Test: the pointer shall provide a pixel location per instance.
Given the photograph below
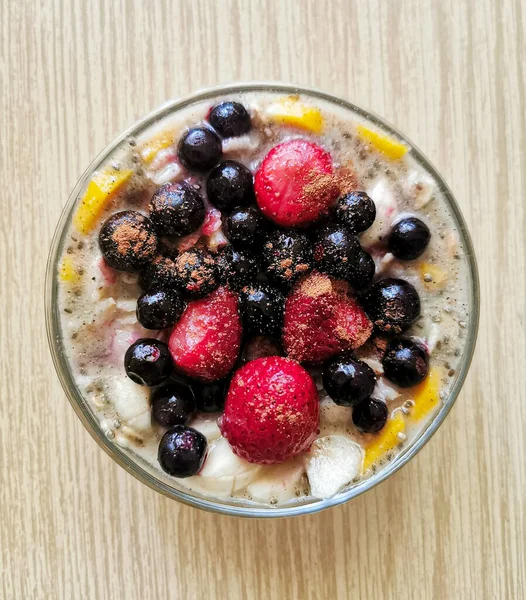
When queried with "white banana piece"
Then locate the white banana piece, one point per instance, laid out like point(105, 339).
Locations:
point(333, 462)
point(131, 401)
point(278, 483)
point(224, 473)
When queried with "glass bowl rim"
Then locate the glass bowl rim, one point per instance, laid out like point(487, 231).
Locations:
point(88, 418)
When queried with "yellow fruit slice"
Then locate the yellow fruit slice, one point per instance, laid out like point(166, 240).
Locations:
point(385, 441)
point(67, 271)
point(384, 144)
point(436, 275)
point(290, 111)
point(101, 189)
point(426, 395)
point(154, 145)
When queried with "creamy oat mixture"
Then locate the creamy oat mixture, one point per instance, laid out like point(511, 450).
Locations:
point(98, 303)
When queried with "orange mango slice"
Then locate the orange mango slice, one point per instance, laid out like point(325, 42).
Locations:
point(384, 144)
point(101, 189)
point(438, 275)
point(67, 271)
point(290, 111)
point(385, 441)
point(426, 395)
point(154, 145)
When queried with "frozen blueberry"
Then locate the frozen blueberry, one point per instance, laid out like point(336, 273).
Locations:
point(336, 251)
point(182, 451)
point(230, 184)
point(362, 274)
point(409, 238)
point(159, 309)
point(210, 397)
point(200, 149)
point(244, 227)
point(392, 304)
point(262, 309)
point(172, 404)
point(370, 415)
point(160, 274)
point(148, 362)
point(236, 269)
point(347, 380)
point(196, 273)
point(128, 240)
point(230, 119)
point(405, 362)
point(285, 256)
point(176, 209)
point(356, 211)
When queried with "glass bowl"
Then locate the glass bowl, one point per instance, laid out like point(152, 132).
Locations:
point(145, 472)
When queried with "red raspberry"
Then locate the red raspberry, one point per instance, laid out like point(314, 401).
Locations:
point(271, 411)
point(322, 319)
point(204, 344)
point(295, 184)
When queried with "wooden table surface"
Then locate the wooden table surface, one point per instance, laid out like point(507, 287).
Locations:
point(449, 73)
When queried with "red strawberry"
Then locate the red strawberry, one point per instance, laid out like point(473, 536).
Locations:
point(295, 184)
point(271, 410)
point(322, 319)
point(204, 344)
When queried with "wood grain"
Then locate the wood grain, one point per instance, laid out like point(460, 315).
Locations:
point(449, 73)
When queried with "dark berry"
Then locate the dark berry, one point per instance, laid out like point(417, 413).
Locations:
point(405, 362)
point(286, 255)
point(230, 119)
point(172, 404)
point(361, 276)
point(176, 209)
point(196, 273)
point(200, 149)
point(392, 304)
point(244, 227)
point(260, 346)
point(210, 397)
point(356, 210)
point(336, 251)
point(148, 362)
point(347, 380)
point(159, 309)
point(409, 238)
point(160, 274)
point(182, 451)
point(262, 309)
point(236, 269)
point(230, 184)
point(128, 240)
point(370, 415)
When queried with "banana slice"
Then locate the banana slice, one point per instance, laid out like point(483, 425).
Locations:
point(278, 483)
point(131, 401)
point(224, 473)
point(333, 461)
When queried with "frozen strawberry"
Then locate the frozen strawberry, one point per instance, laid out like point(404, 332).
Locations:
point(295, 184)
point(322, 319)
point(271, 411)
point(205, 342)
